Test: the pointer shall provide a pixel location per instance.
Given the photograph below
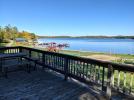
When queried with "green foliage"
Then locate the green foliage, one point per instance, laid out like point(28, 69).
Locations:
point(8, 33)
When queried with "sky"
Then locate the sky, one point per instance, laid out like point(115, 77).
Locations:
point(69, 17)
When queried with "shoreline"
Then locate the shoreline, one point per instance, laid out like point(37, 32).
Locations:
point(89, 51)
point(92, 37)
point(117, 58)
point(83, 51)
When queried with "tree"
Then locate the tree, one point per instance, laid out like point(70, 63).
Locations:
point(1, 34)
point(8, 31)
point(33, 37)
point(14, 32)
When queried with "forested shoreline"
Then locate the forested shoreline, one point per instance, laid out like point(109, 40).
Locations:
point(9, 32)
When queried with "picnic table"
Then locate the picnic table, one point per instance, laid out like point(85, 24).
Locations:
point(3, 57)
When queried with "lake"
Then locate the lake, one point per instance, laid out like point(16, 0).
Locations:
point(115, 46)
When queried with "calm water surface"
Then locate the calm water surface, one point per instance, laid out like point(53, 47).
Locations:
point(118, 46)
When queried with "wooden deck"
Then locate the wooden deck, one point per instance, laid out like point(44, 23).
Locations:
point(42, 85)
point(46, 85)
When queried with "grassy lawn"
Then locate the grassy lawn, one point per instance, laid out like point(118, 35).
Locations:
point(122, 58)
point(3, 44)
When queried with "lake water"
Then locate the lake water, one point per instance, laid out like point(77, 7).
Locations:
point(115, 46)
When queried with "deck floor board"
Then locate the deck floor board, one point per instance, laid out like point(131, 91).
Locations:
point(41, 85)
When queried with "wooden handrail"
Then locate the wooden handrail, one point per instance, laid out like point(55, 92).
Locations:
point(121, 67)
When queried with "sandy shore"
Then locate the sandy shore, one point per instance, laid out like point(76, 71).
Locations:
point(103, 57)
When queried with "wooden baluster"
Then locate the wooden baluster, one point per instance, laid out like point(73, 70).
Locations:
point(43, 57)
point(86, 70)
point(56, 61)
point(48, 60)
point(98, 74)
point(75, 66)
point(113, 78)
point(71, 68)
point(66, 68)
point(83, 70)
point(103, 74)
point(62, 63)
point(69, 64)
point(131, 83)
point(46, 57)
point(51, 59)
point(13, 51)
point(90, 71)
point(20, 49)
point(59, 62)
point(7, 51)
point(50, 56)
point(118, 84)
point(30, 53)
point(109, 81)
point(80, 71)
point(16, 50)
point(94, 74)
point(124, 83)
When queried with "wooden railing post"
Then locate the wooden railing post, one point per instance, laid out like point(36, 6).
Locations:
point(43, 57)
point(43, 60)
point(66, 68)
point(109, 81)
point(20, 49)
point(29, 53)
point(103, 78)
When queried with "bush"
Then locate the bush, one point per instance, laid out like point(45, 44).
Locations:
point(6, 41)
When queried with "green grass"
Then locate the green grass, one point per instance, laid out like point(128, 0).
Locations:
point(124, 58)
point(78, 53)
point(3, 44)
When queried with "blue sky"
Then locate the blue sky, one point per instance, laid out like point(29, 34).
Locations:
point(69, 17)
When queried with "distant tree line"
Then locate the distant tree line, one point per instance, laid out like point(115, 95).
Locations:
point(117, 37)
point(54, 36)
point(9, 32)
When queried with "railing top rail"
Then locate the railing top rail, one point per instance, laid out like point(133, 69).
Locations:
point(13, 47)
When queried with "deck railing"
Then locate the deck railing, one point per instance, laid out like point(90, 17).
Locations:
point(106, 75)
